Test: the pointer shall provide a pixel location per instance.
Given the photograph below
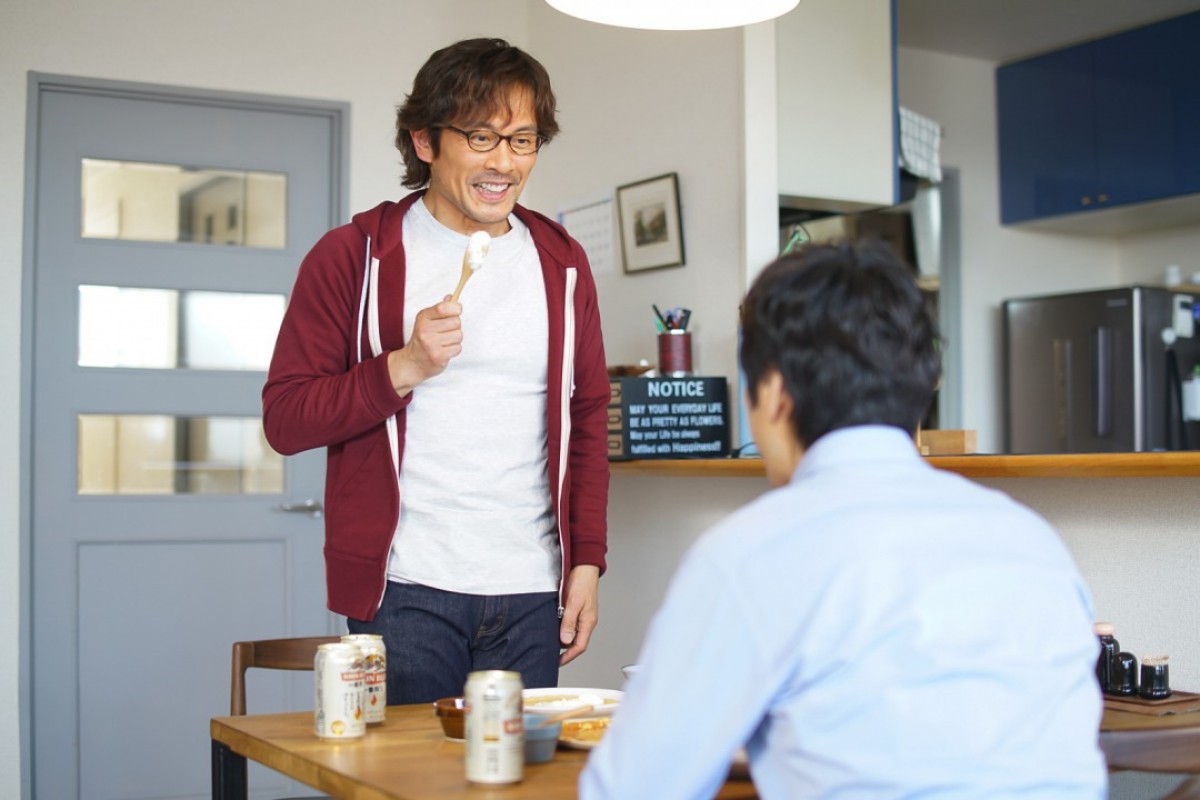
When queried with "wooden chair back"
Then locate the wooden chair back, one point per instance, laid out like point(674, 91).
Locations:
point(290, 654)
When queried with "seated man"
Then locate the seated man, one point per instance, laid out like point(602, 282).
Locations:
point(871, 627)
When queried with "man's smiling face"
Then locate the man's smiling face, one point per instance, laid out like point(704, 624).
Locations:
point(471, 191)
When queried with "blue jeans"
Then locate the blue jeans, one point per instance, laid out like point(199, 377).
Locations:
point(434, 638)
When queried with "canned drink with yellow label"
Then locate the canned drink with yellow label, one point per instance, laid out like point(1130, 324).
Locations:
point(374, 674)
point(495, 731)
point(338, 688)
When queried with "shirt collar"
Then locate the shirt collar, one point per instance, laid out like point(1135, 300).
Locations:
point(861, 445)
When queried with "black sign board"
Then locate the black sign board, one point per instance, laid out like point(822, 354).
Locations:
point(668, 418)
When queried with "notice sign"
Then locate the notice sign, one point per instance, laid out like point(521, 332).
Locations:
point(668, 418)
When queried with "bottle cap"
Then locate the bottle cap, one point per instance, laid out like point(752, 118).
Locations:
point(1105, 629)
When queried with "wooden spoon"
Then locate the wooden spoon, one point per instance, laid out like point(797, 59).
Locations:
point(570, 713)
point(477, 248)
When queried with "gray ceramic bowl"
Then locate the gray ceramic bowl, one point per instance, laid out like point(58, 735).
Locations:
point(540, 742)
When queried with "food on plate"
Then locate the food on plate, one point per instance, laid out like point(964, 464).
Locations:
point(584, 731)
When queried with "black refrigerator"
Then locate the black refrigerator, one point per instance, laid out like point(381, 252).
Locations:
point(1101, 371)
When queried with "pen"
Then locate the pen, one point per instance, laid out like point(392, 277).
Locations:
point(662, 322)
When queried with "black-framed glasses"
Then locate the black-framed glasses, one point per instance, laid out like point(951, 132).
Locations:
point(525, 143)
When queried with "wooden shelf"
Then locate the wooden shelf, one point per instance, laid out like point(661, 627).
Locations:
point(1076, 465)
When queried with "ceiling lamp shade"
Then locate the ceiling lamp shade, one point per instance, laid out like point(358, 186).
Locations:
point(675, 15)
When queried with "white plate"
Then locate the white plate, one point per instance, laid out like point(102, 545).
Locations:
point(556, 699)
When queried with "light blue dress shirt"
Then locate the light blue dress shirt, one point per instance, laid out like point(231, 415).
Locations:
point(875, 629)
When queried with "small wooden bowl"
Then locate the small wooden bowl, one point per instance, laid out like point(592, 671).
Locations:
point(450, 712)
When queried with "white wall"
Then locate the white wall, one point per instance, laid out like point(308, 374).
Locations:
point(1137, 543)
point(652, 522)
point(633, 105)
point(1144, 256)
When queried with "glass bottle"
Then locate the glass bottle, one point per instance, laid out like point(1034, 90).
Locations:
point(1108, 651)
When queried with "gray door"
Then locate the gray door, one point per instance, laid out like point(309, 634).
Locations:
point(169, 227)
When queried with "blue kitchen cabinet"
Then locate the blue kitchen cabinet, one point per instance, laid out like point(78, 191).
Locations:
point(1107, 123)
point(1046, 132)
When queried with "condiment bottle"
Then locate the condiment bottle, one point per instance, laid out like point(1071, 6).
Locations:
point(1122, 676)
point(1155, 681)
point(1108, 650)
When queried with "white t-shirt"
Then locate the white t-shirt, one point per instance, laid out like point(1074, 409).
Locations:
point(475, 509)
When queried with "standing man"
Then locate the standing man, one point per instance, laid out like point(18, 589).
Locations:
point(467, 480)
point(872, 627)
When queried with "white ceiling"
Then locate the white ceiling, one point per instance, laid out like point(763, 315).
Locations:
point(1004, 30)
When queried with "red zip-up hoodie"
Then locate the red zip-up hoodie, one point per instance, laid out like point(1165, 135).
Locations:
point(328, 386)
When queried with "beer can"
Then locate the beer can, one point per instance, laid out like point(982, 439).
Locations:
point(374, 674)
point(494, 723)
point(338, 687)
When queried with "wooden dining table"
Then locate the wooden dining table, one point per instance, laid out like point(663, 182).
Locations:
point(1148, 743)
point(406, 757)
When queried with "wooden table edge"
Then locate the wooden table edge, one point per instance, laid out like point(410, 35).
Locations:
point(264, 752)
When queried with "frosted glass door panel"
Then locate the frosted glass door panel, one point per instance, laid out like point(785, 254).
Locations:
point(157, 454)
point(121, 326)
point(172, 203)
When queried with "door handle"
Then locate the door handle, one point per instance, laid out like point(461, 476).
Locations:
point(310, 507)
point(1102, 390)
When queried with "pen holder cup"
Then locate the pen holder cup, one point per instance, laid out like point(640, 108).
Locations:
point(675, 354)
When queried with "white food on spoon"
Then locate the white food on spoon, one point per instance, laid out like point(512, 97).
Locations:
point(588, 699)
point(477, 248)
point(476, 252)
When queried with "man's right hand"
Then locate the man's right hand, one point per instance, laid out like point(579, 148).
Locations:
point(436, 338)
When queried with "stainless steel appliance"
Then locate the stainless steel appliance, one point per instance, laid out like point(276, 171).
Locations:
point(1100, 371)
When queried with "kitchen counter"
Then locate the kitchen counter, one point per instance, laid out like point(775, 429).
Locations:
point(1075, 465)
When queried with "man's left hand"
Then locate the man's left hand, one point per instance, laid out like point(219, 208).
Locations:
point(581, 613)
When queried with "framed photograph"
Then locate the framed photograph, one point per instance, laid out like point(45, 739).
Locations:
point(651, 231)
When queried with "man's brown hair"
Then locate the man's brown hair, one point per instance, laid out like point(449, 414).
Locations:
point(467, 84)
